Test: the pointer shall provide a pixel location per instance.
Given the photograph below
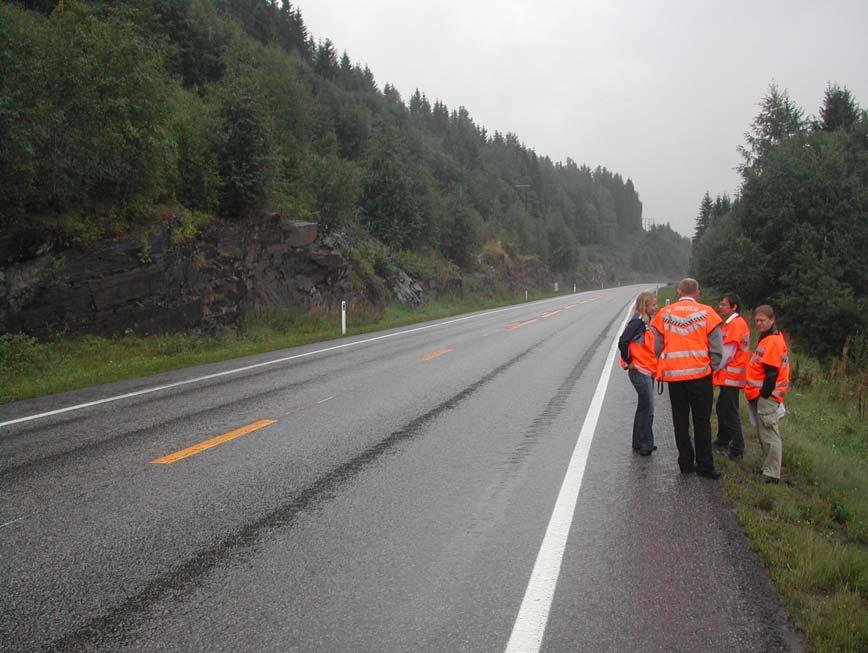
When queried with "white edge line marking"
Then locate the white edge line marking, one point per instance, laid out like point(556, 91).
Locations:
point(530, 624)
point(138, 393)
point(322, 401)
point(13, 521)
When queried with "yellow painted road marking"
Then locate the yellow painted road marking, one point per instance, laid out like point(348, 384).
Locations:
point(570, 306)
point(434, 354)
point(550, 313)
point(213, 442)
point(517, 325)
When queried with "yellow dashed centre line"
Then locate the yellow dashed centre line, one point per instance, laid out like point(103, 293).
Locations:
point(213, 442)
point(517, 325)
point(550, 313)
point(434, 354)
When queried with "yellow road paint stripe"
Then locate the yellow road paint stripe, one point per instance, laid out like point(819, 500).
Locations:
point(517, 325)
point(434, 354)
point(550, 313)
point(570, 306)
point(213, 442)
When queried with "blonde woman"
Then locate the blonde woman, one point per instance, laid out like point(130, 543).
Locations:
point(636, 345)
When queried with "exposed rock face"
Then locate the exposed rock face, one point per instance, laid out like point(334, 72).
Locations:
point(298, 233)
point(148, 284)
point(516, 273)
point(405, 289)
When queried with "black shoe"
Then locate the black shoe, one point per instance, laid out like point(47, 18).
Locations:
point(771, 479)
point(721, 447)
point(687, 469)
point(644, 452)
point(713, 474)
point(735, 455)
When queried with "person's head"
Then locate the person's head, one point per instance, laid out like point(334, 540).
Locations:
point(763, 317)
point(729, 304)
point(646, 305)
point(688, 288)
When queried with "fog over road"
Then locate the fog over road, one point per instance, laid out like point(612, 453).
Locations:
point(374, 494)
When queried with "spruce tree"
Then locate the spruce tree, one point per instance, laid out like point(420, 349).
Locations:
point(704, 217)
point(778, 119)
point(839, 110)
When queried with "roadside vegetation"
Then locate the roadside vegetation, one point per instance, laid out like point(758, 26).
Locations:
point(795, 237)
point(32, 368)
point(812, 529)
point(796, 234)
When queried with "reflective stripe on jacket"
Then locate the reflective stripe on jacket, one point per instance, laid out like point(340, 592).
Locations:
point(770, 350)
point(685, 327)
point(736, 334)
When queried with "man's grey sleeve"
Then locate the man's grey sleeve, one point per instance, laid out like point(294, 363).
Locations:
point(728, 353)
point(658, 342)
point(715, 348)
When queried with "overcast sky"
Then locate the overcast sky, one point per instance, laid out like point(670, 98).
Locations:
point(661, 92)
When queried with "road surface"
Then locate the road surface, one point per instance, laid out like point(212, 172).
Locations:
point(388, 492)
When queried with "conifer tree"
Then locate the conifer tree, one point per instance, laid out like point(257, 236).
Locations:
point(326, 63)
point(839, 110)
point(704, 217)
point(778, 119)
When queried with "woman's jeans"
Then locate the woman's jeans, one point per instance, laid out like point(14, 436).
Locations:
point(643, 436)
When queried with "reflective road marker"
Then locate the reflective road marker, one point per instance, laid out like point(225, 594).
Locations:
point(517, 325)
point(213, 442)
point(433, 355)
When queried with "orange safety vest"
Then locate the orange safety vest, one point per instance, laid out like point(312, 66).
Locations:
point(770, 350)
point(734, 331)
point(642, 354)
point(685, 326)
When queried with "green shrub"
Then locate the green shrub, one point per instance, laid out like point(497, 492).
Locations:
point(18, 353)
point(189, 226)
point(418, 266)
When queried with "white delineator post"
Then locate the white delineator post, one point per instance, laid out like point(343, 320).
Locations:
point(343, 318)
point(525, 294)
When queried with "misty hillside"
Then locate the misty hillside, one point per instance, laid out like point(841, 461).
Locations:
point(112, 111)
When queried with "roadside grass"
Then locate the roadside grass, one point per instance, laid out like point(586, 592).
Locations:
point(812, 529)
point(29, 368)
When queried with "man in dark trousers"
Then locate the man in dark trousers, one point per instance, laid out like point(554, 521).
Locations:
point(730, 377)
point(689, 349)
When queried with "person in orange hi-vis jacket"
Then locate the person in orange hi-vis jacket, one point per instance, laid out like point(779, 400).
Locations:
point(730, 377)
point(768, 380)
point(636, 345)
point(689, 348)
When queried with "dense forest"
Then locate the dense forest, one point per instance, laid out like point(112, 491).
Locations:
point(796, 235)
point(231, 109)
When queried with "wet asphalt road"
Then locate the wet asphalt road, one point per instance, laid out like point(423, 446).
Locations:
point(396, 503)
